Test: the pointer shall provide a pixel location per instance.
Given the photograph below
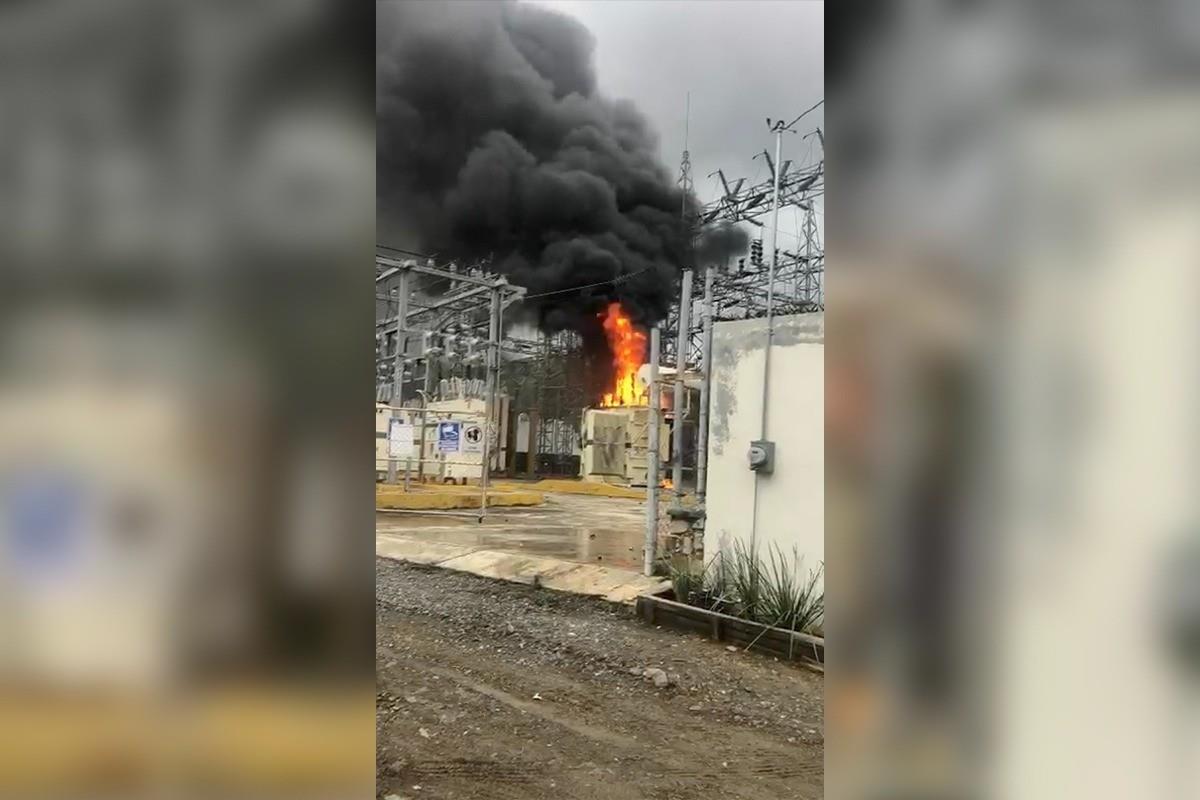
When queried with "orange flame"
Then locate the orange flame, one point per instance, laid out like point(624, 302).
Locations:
point(628, 346)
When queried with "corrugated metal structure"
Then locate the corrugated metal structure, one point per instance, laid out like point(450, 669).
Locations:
point(616, 443)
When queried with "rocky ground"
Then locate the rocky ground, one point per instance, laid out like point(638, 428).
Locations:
point(495, 690)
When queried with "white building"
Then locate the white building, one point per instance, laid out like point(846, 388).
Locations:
point(790, 501)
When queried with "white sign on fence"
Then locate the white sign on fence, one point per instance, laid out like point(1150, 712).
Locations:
point(472, 437)
point(400, 438)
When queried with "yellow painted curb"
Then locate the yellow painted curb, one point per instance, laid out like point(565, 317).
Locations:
point(563, 486)
point(428, 499)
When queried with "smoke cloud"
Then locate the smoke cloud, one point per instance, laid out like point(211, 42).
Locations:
point(721, 243)
point(494, 143)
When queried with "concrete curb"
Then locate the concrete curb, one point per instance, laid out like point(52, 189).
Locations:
point(614, 585)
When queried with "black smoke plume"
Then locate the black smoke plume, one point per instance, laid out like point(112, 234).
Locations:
point(494, 143)
point(721, 243)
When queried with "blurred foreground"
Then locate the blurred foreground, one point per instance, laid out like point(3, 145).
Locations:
point(188, 197)
point(1013, 543)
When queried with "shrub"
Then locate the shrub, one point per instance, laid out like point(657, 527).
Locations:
point(770, 592)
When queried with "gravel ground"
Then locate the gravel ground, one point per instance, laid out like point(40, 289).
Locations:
point(496, 690)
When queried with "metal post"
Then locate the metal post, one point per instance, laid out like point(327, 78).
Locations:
point(779, 128)
point(401, 337)
point(535, 421)
point(425, 394)
point(652, 458)
point(681, 354)
point(809, 232)
point(706, 380)
point(398, 364)
point(493, 353)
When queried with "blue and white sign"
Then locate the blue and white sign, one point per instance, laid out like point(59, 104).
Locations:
point(449, 435)
point(42, 527)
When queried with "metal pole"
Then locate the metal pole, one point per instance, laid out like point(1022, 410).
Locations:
point(706, 380)
point(500, 411)
point(808, 246)
point(681, 354)
point(779, 127)
point(425, 395)
point(652, 458)
point(493, 353)
point(398, 364)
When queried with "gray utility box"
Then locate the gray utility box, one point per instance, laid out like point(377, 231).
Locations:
point(762, 456)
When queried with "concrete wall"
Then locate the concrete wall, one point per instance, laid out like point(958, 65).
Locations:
point(791, 502)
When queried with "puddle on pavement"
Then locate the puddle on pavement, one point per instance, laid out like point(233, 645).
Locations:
point(618, 546)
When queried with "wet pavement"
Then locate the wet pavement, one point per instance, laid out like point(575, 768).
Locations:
point(605, 531)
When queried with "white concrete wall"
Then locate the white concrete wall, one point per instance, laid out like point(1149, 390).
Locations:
point(791, 502)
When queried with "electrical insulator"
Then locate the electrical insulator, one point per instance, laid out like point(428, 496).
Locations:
point(756, 252)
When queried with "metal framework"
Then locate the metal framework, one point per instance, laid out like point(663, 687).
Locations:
point(433, 323)
point(740, 288)
point(547, 378)
point(438, 322)
point(743, 290)
point(450, 314)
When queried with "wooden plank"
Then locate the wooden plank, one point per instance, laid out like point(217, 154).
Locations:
point(777, 641)
point(701, 627)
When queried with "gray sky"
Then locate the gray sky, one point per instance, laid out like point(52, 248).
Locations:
point(742, 60)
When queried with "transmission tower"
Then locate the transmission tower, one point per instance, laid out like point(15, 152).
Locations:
point(685, 164)
point(689, 219)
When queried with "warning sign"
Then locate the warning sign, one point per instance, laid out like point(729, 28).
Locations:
point(449, 434)
point(472, 438)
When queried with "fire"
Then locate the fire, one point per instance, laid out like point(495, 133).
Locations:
point(628, 346)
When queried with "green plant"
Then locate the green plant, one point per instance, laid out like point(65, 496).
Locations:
point(719, 583)
point(695, 583)
point(746, 579)
point(770, 591)
point(787, 600)
point(686, 581)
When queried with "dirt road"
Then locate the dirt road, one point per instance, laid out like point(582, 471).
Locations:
point(494, 690)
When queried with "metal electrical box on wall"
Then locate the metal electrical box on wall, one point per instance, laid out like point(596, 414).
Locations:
point(762, 456)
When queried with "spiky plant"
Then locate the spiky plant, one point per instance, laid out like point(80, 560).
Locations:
point(746, 579)
point(719, 583)
point(698, 584)
point(687, 581)
point(788, 601)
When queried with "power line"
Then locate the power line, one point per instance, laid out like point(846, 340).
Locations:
point(612, 281)
point(413, 253)
point(803, 114)
point(618, 279)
